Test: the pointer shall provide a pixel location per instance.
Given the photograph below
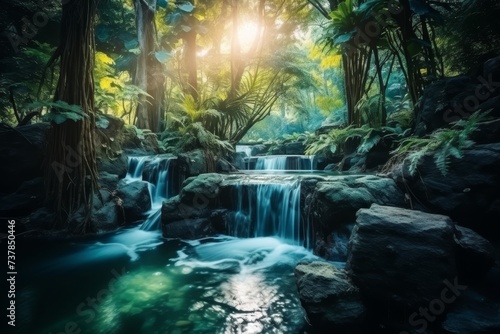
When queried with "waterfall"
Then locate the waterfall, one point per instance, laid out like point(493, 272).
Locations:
point(154, 171)
point(271, 163)
point(286, 162)
point(247, 149)
point(269, 210)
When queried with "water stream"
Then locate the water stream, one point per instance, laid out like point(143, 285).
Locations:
point(136, 281)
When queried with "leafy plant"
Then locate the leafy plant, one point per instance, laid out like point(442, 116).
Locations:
point(442, 144)
point(60, 111)
point(335, 141)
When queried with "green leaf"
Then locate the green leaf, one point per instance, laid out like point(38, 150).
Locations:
point(102, 122)
point(61, 117)
point(173, 18)
point(188, 8)
point(162, 56)
point(162, 3)
point(102, 33)
point(131, 44)
point(344, 38)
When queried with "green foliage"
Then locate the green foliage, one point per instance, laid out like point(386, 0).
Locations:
point(20, 77)
point(114, 92)
point(60, 111)
point(442, 144)
point(471, 35)
point(336, 139)
point(195, 136)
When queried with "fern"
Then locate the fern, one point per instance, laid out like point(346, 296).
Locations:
point(335, 140)
point(442, 144)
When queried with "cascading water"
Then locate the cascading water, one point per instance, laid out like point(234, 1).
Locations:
point(221, 284)
point(155, 171)
point(270, 210)
point(271, 163)
point(285, 162)
point(247, 149)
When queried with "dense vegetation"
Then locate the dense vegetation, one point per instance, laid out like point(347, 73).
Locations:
point(209, 74)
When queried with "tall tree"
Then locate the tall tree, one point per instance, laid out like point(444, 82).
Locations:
point(149, 73)
point(70, 168)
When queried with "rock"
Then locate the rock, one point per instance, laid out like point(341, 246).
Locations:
point(469, 193)
point(491, 68)
point(492, 106)
point(354, 163)
point(338, 200)
point(295, 148)
point(108, 181)
point(450, 99)
point(192, 163)
point(189, 229)
point(473, 314)
point(29, 197)
point(136, 199)
point(442, 102)
point(202, 190)
point(107, 218)
point(173, 210)
point(259, 150)
point(194, 211)
point(328, 295)
point(487, 132)
point(331, 168)
point(387, 243)
point(117, 165)
point(21, 150)
point(238, 160)
point(43, 219)
point(223, 166)
point(277, 150)
point(475, 255)
point(334, 248)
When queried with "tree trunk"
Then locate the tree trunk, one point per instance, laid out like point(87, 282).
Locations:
point(149, 72)
point(70, 165)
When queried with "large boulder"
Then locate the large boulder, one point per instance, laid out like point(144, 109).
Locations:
point(337, 200)
point(117, 165)
point(451, 99)
point(108, 214)
point(402, 256)
point(192, 163)
point(295, 148)
point(192, 213)
point(29, 197)
point(21, 150)
point(136, 199)
point(108, 181)
point(201, 189)
point(195, 228)
point(469, 193)
point(475, 255)
point(473, 313)
point(328, 295)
